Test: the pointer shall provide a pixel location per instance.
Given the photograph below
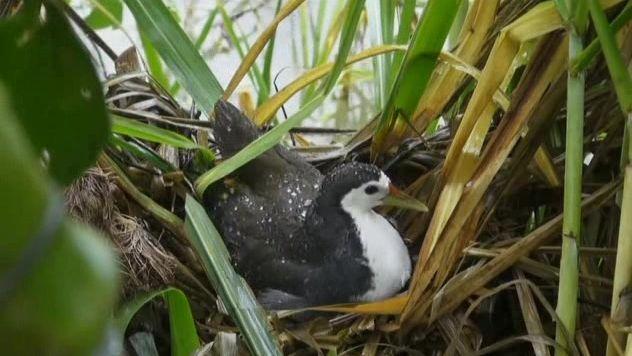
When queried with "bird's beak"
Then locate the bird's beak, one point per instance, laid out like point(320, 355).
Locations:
point(400, 199)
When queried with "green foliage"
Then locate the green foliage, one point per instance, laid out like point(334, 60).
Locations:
point(274, 136)
point(617, 67)
point(156, 22)
point(418, 64)
point(184, 338)
point(58, 279)
point(124, 126)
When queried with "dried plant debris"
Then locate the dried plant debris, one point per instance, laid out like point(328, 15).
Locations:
point(96, 200)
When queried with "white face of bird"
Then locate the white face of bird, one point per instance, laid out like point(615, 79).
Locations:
point(379, 192)
point(368, 195)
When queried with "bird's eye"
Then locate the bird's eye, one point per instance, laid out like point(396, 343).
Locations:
point(372, 189)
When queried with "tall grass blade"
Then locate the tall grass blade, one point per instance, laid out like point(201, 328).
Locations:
point(418, 64)
point(381, 21)
point(266, 111)
point(153, 62)
point(175, 48)
point(618, 69)
point(199, 41)
point(124, 126)
point(275, 135)
point(267, 63)
point(584, 59)
point(232, 289)
point(347, 37)
point(184, 338)
point(248, 60)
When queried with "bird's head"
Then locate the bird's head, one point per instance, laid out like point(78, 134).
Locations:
point(361, 186)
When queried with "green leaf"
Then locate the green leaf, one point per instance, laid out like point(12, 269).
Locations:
point(50, 78)
point(153, 62)
point(124, 126)
point(582, 61)
point(174, 46)
point(418, 64)
point(232, 289)
point(142, 153)
point(206, 29)
point(98, 19)
point(58, 279)
point(184, 338)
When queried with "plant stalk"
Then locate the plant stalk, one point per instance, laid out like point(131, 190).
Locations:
point(569, 263)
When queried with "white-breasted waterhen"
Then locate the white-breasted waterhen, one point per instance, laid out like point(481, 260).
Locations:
point(301, 238)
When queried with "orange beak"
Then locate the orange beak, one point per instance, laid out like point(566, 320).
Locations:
point(400, 199)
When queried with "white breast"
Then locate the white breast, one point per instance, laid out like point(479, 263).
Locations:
point(386, 253)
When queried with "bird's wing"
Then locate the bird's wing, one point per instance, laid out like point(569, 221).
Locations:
point(277, 174)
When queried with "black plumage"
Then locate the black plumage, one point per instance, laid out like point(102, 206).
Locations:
point(283, 223)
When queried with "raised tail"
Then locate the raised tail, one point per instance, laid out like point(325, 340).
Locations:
point(232, 129)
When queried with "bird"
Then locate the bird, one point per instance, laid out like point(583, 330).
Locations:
point(301, 238)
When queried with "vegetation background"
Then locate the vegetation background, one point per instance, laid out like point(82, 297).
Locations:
point(510, 118)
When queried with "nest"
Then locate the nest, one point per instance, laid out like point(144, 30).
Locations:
point(94, 199)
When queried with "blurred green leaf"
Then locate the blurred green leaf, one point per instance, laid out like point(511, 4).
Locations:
point(58, 279)
point(184, 338)
point(175, 48)
point(52, 82)
point(232, 289)
point(97, 19)
point(418, 64)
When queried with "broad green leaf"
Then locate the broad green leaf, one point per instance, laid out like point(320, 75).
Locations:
point(175, 48)
point(98, 18)
point(50, 78)
point(58, 279)
point(184, 338)
point(231, 288)
point(128, 127)
point(418, 64)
